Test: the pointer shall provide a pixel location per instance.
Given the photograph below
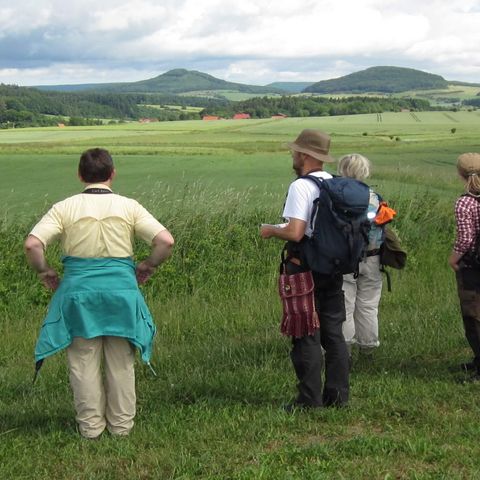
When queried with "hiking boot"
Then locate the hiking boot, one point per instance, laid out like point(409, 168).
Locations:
point(468, 366)
point(475, 378)
point(296, 406)
point(366, 352)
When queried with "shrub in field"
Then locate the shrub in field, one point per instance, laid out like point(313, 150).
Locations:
point(215, 255)
point(19, 287)
point(219, 254)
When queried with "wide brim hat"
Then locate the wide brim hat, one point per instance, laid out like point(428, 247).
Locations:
point(314, 143)
point(469, 162)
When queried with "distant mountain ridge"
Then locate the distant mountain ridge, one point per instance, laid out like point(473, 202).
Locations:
point(381, 80)
point(291, 87)
point(174, 81)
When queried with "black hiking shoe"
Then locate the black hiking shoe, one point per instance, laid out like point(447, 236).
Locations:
point(475, 378)
point(296, 406)
point(468, 366)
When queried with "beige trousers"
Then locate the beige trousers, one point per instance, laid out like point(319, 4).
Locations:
point(362, 296)
point(100, 404)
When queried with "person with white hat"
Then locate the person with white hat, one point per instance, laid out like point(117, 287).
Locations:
point(464, 258)
point(363, 289)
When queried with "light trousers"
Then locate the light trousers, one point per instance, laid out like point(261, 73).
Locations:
point(362, 296)
point(103, 403)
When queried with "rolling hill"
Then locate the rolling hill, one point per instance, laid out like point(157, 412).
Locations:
point(374, 80)
point(380, 80)
point(172, 82)
point(290, 87)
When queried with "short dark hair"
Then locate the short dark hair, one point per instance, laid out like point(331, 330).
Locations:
point(96, 165)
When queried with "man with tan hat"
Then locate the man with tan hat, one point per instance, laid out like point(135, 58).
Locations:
point(465, 259)
point(309, 153)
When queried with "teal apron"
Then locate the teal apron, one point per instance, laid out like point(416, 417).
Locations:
point(96, 297)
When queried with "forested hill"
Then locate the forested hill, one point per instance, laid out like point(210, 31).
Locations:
point(381, 80)
point(290, 87)
point(172, 82)
point(316, 106)
point(23, 106)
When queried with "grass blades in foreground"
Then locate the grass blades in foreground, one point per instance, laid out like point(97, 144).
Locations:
point(214, 411)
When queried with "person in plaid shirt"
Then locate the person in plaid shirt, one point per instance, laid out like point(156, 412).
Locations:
point(462, 261)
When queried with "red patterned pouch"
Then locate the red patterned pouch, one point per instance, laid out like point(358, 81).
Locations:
point(299, 315)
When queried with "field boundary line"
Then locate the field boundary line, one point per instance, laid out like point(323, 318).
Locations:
point(450, 117)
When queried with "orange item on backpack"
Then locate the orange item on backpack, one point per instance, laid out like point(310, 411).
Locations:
point(385, 214)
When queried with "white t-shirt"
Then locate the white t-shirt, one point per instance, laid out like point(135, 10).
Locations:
point(301, 194)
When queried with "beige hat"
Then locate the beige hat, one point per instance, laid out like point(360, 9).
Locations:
point(314, 143)
point(469, 163)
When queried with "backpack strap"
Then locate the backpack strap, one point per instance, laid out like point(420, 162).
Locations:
point(387, 274)
point(318, 182)
point(349, 230)
point(292, 250)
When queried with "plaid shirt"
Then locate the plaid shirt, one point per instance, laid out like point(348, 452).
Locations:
point(467, 216)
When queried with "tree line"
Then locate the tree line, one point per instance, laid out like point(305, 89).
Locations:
point(26, 107)
point(311, 106)
point(29, 107)
point(474, 102)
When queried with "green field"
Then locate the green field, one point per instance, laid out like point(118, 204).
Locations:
point(452, 94)
point(214, 411)
point(232, 95)
point(188, 109)
point(447, 97)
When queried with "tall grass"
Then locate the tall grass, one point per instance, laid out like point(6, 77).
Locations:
point(214, 410)
point(223, 369)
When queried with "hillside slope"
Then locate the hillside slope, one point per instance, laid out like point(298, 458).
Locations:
point(290, 87)
point(172, 82)
point(380, 79)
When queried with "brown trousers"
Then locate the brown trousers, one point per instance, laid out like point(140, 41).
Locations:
point(468, 284)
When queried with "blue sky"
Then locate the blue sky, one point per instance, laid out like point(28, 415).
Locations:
point(248, 41)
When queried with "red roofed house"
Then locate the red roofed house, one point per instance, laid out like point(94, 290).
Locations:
point(148, 120)
point(241, 116)
point(210, 117)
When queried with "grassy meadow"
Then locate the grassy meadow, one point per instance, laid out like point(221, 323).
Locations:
point(214, 410)
point(452, 94)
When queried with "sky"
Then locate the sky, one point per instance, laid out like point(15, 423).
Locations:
point(51, 42)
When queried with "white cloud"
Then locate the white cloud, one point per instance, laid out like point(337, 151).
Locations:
point(263, 40)
point(137, 15)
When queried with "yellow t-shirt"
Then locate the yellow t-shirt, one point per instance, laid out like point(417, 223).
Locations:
point(97, 225)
